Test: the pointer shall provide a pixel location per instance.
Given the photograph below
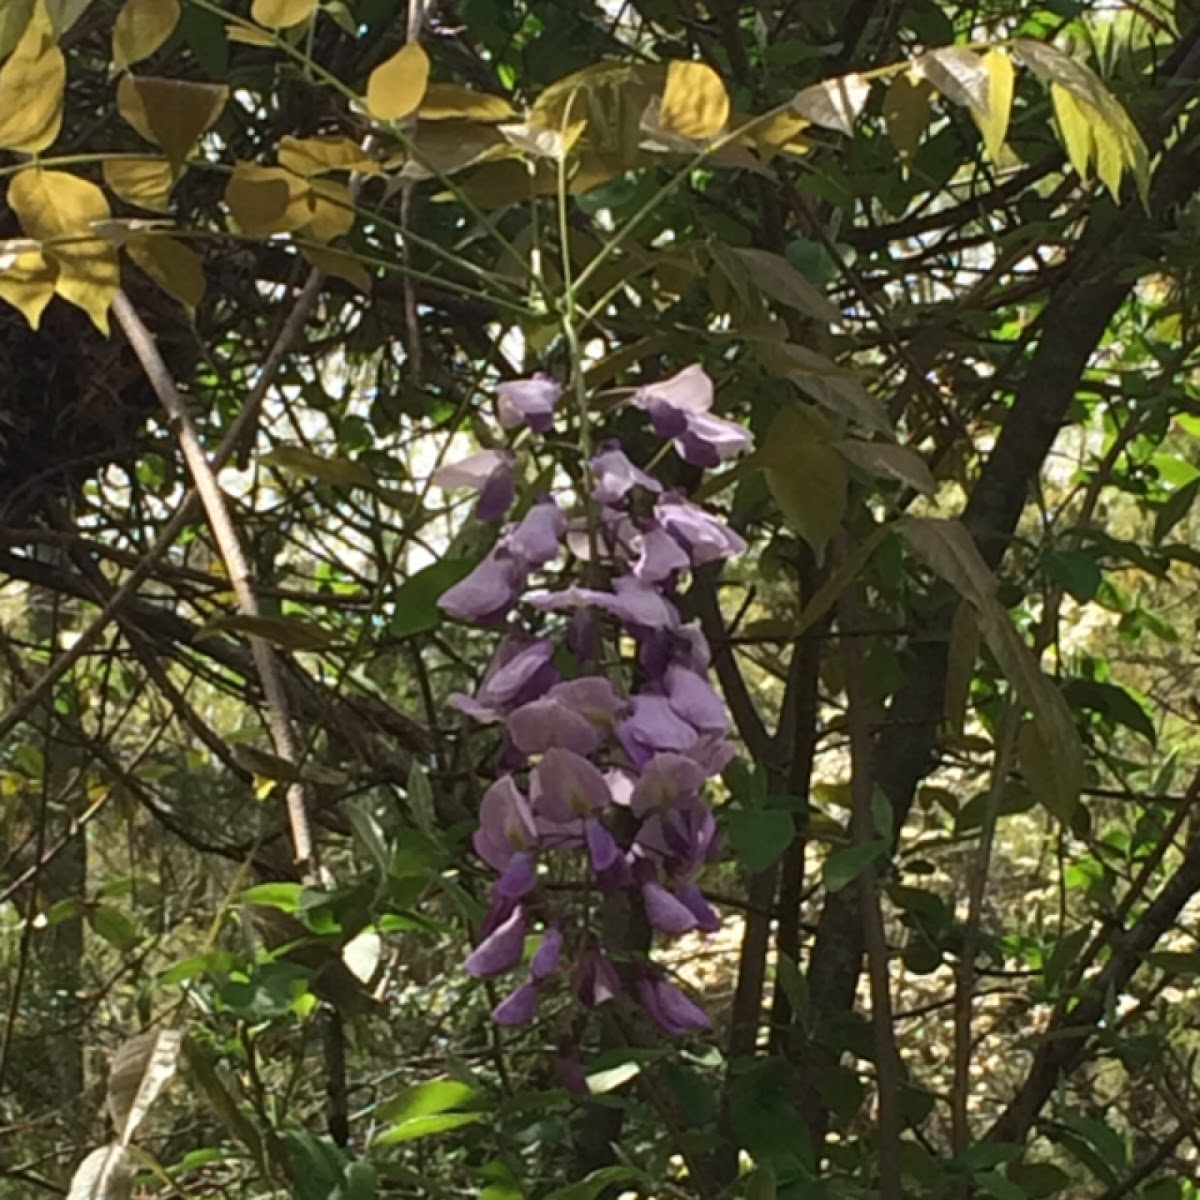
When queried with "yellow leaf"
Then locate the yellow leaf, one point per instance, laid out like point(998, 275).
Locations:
point(339, 263)
point(59, 210)
point(145, 182)
point(906, 112)
point(778, 134)
point(176, 268)
point(1054, 775)
point(993, 124)
point(1075, 119)
point(332, 210)
point(319, 155)
point(452, 101)
point(32, 83)
point(171, 113)
point(1110, 157)
point(694, 101)
point(281, 14)
point(141, 28)
point(266, 200)
point(396, 87)
point(26, 279)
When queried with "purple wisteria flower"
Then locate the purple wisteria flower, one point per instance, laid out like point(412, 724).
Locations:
point(490, 473)
point(521, 670)
point(601, 783)
point(679, 409)
point(529, 402)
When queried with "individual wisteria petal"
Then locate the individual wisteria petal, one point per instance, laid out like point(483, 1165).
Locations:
point(545, 958)
point(581, 636)
point(689, 391)
point(593, 697)
point(701, 536)
point(529, 402)
point(497, 495)
point(633, 601)
point(664, 781)
point(603, 851)
point(714, 752)
point(538, 537)
point(693, 698)
point(615, 476)
point(652, 727)
point(566, 787)
point(690, 894)
point(489, 472)
point(548, 723)
point(665, 912)
point(708, 441)
point(501, 950)
point(682, 839)
point(506, 825)
point(659, 556)
point(518, 879)
point(521, 670)
point(489, 592)
point(474, 470)
point(670, 1008)
point(685, 645)
point(596, 980)
point(518, 1007)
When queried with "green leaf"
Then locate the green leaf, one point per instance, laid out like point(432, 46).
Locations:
point(291, 633)
point(761, 1184)
point(906, 113)
point(1076, 570)
point(596, 1183)
point(284, 896)
point(419, 1127)
point(1113, 702)
point(414, 604)
point(775, 275)
point(807, 477)
point(427, 1099)
point(1051, 747)
point(113, 926)
point(1038, 1180)
point(901, 463)
point(328, 468)
point(846, 865)
point(759, 836)
point(1176, 507)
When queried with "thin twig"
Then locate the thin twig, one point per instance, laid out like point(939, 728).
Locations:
point(216, 509)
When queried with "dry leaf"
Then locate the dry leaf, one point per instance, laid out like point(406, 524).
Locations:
point(171, 113)
point(396, 87)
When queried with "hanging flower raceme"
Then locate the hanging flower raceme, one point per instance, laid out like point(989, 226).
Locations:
point(603, 784)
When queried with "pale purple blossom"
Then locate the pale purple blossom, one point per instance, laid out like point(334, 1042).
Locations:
point(489, 472)
point(698, 533)
point(518, 1007)
point(506, 826)
point(501, 949)
point(615, 476)
point(537, 539)
point(489, 592)
point(529, 402)
point(669, 1008)
point(521, 670)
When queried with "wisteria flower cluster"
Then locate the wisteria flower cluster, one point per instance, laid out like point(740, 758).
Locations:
point(609, 776)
